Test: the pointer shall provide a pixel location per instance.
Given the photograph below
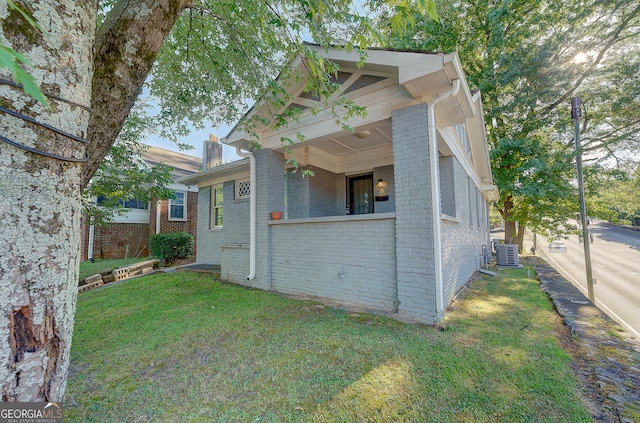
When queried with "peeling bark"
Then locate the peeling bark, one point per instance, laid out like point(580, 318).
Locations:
point(41, 205)
point(126, 47)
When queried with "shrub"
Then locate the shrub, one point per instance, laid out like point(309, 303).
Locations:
point(170, 246)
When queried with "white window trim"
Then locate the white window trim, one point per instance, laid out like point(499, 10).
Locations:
point(213, 207)
point(184, 207)
point(237, 189)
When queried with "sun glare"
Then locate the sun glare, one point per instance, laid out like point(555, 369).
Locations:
point(580, 58)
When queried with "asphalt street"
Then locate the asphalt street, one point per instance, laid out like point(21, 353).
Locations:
point(615, 261)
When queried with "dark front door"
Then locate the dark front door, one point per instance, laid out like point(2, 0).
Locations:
point(361, 194)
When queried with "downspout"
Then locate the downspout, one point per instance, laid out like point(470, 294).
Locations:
point(91, 238)
point(158, 205)
point(435, 195)
point(252, 212)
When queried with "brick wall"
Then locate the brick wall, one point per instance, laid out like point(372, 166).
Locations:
point(349, 260)
point(84, 238)
point(461, 241)
point(235, 225)
point(208, 241)
point(235, 263)
point(120, 240)
point(297, 195)
point(188, 225)
point(269, 198)
point(448, 186)
point(313, 196)
point(111, 242)
point(415, 244)
point(388, 189)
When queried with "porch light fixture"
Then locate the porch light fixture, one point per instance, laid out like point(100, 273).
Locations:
point(380, 195)
point(363, 134)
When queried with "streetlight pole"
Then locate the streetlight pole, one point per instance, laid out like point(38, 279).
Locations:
point(576, 114)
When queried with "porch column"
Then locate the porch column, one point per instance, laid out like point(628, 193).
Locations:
point(269, 197)
point(415, 241)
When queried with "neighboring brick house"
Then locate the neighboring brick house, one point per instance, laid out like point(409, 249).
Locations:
point(396, 217)
point(128, 235)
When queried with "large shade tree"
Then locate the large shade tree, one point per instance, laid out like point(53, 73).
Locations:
point(522, 55)
point(205, 58)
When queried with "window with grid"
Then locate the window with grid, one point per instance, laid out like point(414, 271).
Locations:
point(128, 204)
point(243, 189)
point(178, 206)
point(217, 200)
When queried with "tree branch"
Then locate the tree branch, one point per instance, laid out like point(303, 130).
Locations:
point(126, 47)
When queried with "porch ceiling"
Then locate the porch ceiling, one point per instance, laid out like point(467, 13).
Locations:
point(364, 139)
point(369, 146)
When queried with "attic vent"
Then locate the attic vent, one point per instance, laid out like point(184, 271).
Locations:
point(507, 255)
point(340, 78)
point(309, 96)
point(300, 107)
point(243, 189)
point(364, 81)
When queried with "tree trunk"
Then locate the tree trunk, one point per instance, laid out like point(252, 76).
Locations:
point(509, 226)
point(40, 208)
point(522, 228)
point(126, 47)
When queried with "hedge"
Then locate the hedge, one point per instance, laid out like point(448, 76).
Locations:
point(170, 246)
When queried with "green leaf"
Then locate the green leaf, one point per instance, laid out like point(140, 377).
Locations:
point(11, 59)
point(25, 15)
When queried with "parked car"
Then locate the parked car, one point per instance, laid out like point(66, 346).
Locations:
point(557, 246)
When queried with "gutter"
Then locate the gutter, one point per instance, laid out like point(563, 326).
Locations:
point(435, 196)
point(252, 212)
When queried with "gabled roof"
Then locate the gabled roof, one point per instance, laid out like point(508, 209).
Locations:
point(388, 80)
point(422, 76)
point(182, 164)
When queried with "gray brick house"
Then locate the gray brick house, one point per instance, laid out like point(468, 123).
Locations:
point(396, 216)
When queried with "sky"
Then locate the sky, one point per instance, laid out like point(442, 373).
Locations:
point(196, 139)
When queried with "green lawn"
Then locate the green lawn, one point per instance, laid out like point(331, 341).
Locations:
point(184, 347)
point(88, 269)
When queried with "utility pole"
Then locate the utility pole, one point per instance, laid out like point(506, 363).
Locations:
point(576, 114)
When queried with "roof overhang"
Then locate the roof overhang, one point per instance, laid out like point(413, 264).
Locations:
point(217, 174)
point(423, 76)
point(404, 78)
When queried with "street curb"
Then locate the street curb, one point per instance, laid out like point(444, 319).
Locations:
point(611, 353)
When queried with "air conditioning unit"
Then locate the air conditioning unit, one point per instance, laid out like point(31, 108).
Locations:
point(507, 255)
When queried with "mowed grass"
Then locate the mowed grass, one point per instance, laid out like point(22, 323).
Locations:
point(184, 347)
point(89, 269)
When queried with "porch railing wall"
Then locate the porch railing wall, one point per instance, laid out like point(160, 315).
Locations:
point(348, 259)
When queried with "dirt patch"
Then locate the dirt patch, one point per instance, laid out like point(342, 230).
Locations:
point(183, 261)
point(604, 363)
point(589, 391)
